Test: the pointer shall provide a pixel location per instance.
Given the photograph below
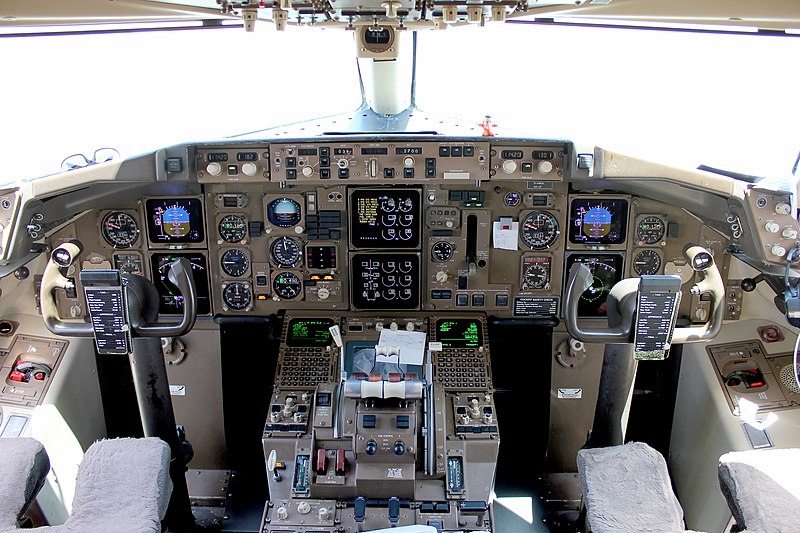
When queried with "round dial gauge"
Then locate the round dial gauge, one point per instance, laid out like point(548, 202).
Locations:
point(442, 251)
point(647, 262)
point(286, 285)
point(650, 230)
point(285, 252)
point(119, 229)
point(539, 230)
point(235, 262)
point(129, 263)
point(233, 228)
point(237, 296)
point(535, 273)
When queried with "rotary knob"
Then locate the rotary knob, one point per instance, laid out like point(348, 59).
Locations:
point(772, 227)
point(324, 514)
point(778, 250)
point(215, 169)
point(789, 233)
point(249, 169)
point(544, 167)
point(441, 276)
point(371, 447)
point(408, 162)
point(783, 208)
point(509, 166)
point(393, 326)
point(304, 507)
point(323, 293)
point(308, 171)
point(282, 513)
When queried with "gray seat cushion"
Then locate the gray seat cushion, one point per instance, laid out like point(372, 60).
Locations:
point(123, 486)
point(24, 465)
point(627, 489)
point(763, 489)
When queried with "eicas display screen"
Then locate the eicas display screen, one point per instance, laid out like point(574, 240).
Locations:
point(606, 272)
point(385, 218)
point(598, 220)
point(459, 333)
point(309, 332)
point(385, 280)
point(174, 220)
point(170, 298)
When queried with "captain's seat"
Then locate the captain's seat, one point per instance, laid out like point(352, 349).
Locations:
point(123, 485)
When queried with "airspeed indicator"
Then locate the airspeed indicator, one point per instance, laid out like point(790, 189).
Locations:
point(539, 230)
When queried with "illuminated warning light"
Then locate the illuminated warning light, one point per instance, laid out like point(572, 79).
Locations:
point(261, 297)
point(328, 277)
point(315, 277)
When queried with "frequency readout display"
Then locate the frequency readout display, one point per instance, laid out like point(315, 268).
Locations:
point(174, 220)
point(459, 333)
point(309, 332)
point(598, 221)
point(385, 218)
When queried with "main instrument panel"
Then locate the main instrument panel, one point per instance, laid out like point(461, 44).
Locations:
point(398, 224)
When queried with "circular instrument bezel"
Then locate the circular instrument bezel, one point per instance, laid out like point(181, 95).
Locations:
point(238, 272)
point(126, 242)
point(290, 260)
point(529, 224)
point(641, 232)
point(442, 251)
point(287, 289)
point(230, 236)
point(237, 306)
point(648, 272)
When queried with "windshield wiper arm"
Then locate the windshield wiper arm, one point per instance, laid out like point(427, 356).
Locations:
point(731, 174)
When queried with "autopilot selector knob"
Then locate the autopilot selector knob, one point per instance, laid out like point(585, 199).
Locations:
point(509, 166)
point(371, 447)
point(544, 167)
point(249, 169)
point(474, 409)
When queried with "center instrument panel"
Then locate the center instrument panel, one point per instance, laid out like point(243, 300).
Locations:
point(401, 224)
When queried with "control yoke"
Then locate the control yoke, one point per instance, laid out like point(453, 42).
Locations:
point(66, 254)
point(623, 297)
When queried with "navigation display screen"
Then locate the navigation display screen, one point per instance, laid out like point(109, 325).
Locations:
point(385, 218)
point(309, 332)
point(598, 220)
point(174, 220)
point(459, 333)
point(170, 299)
point(606, 271)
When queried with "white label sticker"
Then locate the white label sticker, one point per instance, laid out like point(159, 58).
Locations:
point(394, 473)
point(435, 346)
point(570, 394)
point(177, 390)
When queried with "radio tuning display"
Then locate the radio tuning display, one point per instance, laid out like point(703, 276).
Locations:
point(174, 220)
point(598, 220)
point(309, 332)
point(385, 218)
point(385, 280)
point(459, 333)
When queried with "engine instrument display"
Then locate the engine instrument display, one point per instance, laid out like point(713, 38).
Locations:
point(309, 332)
point(171, 300)
point(285, 252)
point(459, 333)
point(385, 280)
point(598, 220)
point(119, 229)
point(174, 220)
point(539, 230)
point(235, 262)
point(381, 218)
point(606, 272)
point(237, 296)
point(233, 228)
point(535, 272)
point(650, 230)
